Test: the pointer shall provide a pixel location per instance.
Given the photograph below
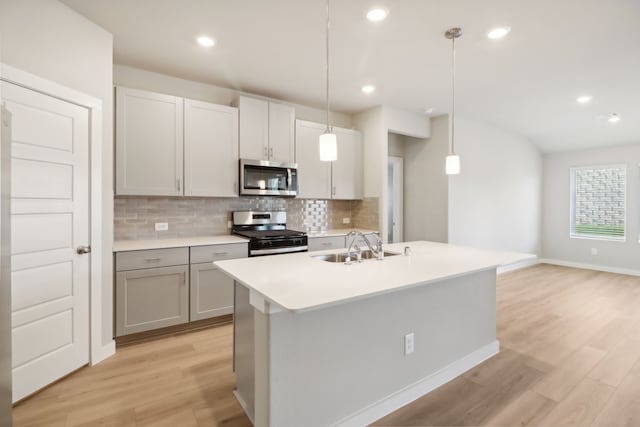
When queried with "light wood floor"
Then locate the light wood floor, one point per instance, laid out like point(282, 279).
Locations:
point(570, 356)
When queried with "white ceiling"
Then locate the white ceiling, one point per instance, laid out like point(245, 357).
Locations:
point(526, 83)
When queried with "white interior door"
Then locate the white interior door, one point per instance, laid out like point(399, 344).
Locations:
point(49, 220)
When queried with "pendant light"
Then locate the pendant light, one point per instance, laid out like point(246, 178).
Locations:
point(328, 142)
point(452, 165)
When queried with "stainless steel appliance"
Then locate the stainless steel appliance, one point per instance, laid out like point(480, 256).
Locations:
point(5, 269)
point(264, 178)
point(267, 233)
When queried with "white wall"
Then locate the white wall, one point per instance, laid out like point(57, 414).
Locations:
point(557, 245)
point(375, 125)
point(426, 185)
point(147, 80)
point(495, 202)
point(48, 39)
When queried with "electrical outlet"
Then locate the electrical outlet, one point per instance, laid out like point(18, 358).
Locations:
point(229, 224)
point(409, 344)
point(162, 226)
point(594, 251)
point(346, 220)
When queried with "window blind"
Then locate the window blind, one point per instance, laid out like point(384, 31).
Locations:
point(598, 202)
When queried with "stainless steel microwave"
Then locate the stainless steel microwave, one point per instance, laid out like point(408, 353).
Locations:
point(264, 178)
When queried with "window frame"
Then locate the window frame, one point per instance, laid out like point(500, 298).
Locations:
point(572, 195)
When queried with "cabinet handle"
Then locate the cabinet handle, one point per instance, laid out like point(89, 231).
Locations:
point(266, 154)
point(220, 253)
point(271, 153)
point(153, 259)
point(327, 244)
point(235, 187)
point(178, 183)
point(333, 190)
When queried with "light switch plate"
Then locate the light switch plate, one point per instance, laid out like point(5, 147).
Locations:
point(409, 344)
point(346, 220)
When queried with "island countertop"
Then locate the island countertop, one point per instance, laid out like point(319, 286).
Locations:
point(298, 282)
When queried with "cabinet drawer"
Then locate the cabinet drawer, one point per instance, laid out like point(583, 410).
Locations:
point(136, 260)
point(212, 253)
point(322, 243)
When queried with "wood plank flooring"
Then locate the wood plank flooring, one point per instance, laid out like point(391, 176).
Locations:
point(570, 356)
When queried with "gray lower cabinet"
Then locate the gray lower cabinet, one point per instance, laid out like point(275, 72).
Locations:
point(151, 298)
point(165, 287)
point(211, 292)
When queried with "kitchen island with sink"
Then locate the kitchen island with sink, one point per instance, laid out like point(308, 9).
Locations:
point(318, 342)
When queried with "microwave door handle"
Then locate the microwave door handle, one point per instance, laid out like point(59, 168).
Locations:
point(288, 178)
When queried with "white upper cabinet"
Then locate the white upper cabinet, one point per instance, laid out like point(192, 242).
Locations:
point(347, 171)
point(342, 179)
point(149, 141)
point(254, 128)
point(266, 130)
point(155, 133)
point(282, 119)
point(210, 149)
point(314, 175)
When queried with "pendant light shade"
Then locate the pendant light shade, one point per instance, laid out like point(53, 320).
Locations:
point(328, 147)
point(328, 142)
point(452, 163)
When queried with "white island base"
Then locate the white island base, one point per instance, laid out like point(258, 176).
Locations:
point(343, 363)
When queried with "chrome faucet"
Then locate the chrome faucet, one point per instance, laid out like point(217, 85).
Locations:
point(378, 251)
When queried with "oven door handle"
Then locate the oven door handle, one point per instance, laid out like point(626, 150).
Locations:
point(274, 251)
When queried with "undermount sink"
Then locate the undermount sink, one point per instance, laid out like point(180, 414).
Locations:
point(343, 257)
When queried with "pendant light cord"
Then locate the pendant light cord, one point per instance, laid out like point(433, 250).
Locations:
point(328, 130)
point(453, 93)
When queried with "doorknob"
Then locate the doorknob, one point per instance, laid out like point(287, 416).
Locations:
point(83, 249)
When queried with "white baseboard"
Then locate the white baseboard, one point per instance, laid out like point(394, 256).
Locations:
point(244, 406)
point(586, 266)
point(103, 352)
point(418, 389)
point(518, 265)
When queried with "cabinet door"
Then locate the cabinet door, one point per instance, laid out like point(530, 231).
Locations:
point(281, 133)
point(254, 128)
point(151, 298)
point(211, 292)
point(149, 142)
point(322, 243)
point(210, 149)
point(314, 175)
point(347, 171)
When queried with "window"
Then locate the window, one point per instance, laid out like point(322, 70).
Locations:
point(598, 202)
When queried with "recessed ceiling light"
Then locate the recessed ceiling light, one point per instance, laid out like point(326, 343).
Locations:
point(585, 99)
point(378, 14)
point(206, 41)
point(368, 89)
point(498, 32)
point(613, 118)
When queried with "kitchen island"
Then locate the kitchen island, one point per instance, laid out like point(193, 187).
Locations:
point(318, 343)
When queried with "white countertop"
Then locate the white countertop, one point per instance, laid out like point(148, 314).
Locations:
point(180, 242)
point(298, 282)
point(337, 232)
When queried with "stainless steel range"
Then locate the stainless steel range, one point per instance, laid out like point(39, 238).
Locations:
point(267, 233)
